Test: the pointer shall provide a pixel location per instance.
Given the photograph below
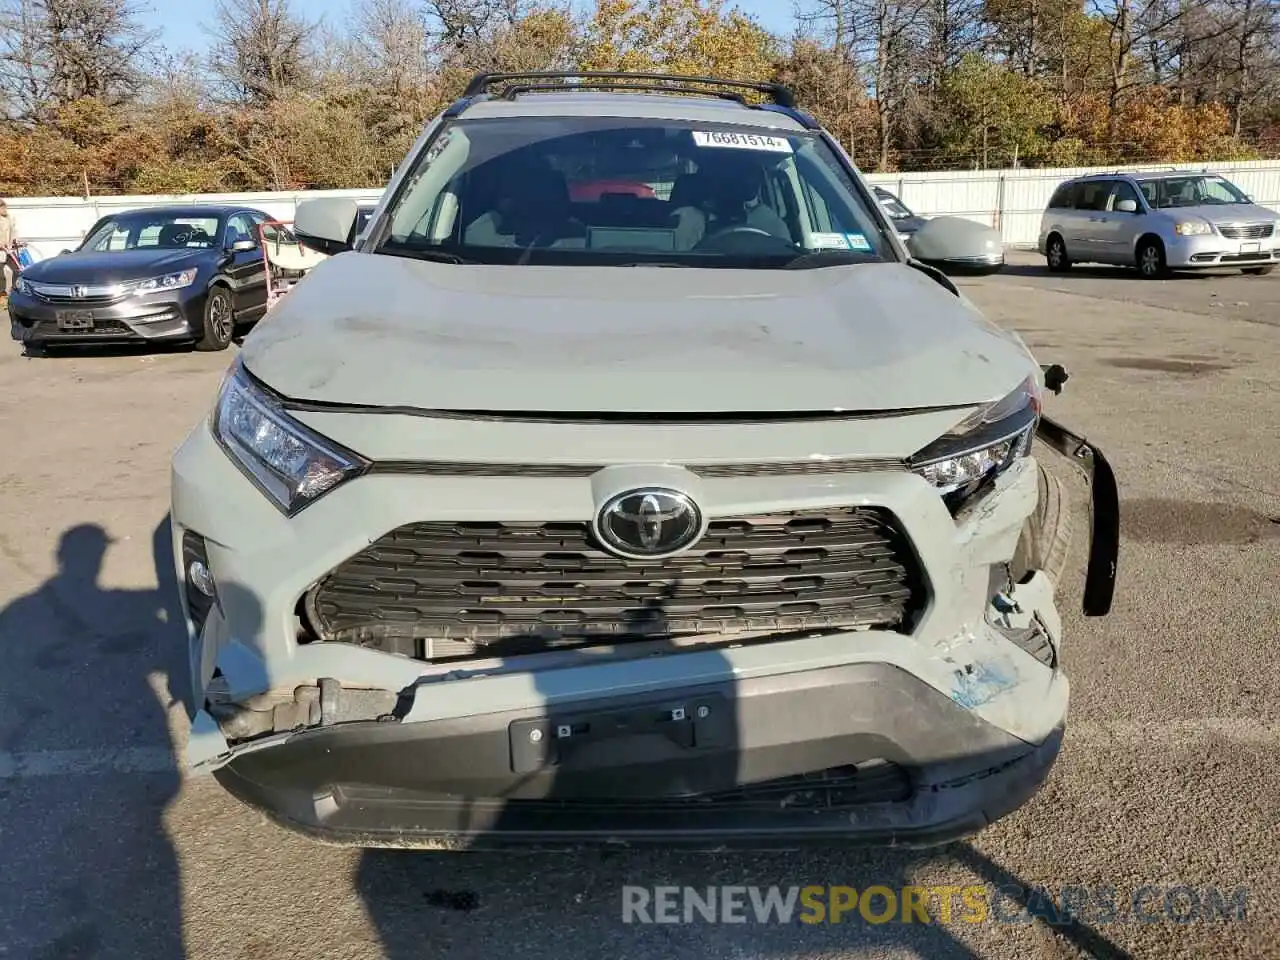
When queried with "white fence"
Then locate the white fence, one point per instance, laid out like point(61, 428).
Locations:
point(1010, 200)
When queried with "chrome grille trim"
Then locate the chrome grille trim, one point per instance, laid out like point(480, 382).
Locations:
point(781, 468)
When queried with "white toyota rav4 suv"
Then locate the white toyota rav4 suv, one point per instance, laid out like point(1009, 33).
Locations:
point(691, 511)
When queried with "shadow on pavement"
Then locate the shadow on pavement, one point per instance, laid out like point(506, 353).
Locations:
point(86, 764)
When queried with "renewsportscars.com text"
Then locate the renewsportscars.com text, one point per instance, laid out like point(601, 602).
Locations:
point(974, 903)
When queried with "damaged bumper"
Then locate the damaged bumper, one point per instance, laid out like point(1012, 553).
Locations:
point(885, 759)
point(1104, 504)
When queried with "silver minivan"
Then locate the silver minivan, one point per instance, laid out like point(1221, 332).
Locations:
point(1158, 222)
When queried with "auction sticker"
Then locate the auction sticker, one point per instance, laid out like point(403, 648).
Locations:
point(741, 141)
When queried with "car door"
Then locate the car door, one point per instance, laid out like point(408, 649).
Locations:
point(245, 270)
point(1119, 225)
point(1086, 239)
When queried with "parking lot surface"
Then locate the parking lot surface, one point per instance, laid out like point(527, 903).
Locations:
point(1168, 779)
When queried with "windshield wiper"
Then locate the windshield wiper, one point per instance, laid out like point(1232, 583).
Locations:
point(420, 253)
point(829, 258)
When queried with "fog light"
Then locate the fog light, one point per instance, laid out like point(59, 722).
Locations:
point(201, 578)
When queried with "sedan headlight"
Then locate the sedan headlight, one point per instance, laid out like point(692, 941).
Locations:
point(984, 444)
point(290, 463)
point(22, 286)
point(170, 281)
point(1193, 228)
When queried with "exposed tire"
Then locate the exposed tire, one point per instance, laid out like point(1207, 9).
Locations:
point(1258, 271)
point(1045, 543)
point(1151, 260)
point(1055, 254)
point(218, 322)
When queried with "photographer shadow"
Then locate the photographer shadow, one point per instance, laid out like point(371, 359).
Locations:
point(88, 766)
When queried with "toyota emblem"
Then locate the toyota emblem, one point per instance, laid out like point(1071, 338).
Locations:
point(649, 523)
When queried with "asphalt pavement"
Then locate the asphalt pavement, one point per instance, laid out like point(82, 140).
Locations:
point(1165, 795)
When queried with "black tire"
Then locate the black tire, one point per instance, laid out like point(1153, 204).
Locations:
point(1055, 254)
point(1259, 271)
point(1151, 260)
point(1045, 543)
point(219, 321)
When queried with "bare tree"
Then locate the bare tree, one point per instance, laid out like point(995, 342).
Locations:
point(262, 50)
point(54, 52)
point(389, 45)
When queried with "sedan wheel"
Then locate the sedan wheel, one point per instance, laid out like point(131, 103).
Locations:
point(219, 321)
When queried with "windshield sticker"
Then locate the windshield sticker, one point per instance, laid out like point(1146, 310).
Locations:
point(857, 241)
point(830, 241)
point(741, 141)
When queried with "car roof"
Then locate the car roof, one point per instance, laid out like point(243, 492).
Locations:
point(659, 106)
point(189, 210)
point(1139, 175)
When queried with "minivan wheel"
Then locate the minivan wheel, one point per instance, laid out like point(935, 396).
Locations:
point(1258, 271)
point(1151, 262)
point(219, 321)
point(1055, 254)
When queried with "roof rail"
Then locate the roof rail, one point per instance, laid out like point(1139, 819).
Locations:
point(510, 93)
point(610, 79)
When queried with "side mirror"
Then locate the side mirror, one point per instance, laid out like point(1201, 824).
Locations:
point(242, 246)
point(326, 225)
point(1127, 206)
point(955, 245)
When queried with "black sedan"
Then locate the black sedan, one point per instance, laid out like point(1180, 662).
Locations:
point(161, 274)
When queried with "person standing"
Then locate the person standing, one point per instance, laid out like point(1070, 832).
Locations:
point(8, 246)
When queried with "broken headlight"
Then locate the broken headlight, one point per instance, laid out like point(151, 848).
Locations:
point(982, 445)
point(290, 463)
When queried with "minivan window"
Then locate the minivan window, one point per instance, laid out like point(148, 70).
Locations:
point(1093, 194)
point(621, 191)
point(1064, 197)
point(1191, 191)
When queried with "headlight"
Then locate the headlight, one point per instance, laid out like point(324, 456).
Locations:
point(22, 286)
point(170, 281)
point(293, 465)
point(1193, 228)
point(982, 445)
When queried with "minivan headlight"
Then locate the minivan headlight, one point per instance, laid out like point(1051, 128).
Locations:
point(291, 464)
point(983, 444)
point(1193, 228)
point(170, 281)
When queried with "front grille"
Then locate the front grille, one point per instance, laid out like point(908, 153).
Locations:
point(85, 302)
point(444, 591)
point(1246, 231)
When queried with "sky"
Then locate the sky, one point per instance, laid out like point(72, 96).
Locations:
point(179, 20)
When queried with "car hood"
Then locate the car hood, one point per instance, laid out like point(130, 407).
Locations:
point(377, 330)
point(113, 266)
point(1224, 213)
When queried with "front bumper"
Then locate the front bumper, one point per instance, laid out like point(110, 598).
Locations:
point(907, 765)
point(156, 317)
point(431, 761)
point(1213, 250)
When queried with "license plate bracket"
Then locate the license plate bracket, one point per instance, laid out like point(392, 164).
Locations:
point(1250, 247)
point(75, 319)
point(694, 722)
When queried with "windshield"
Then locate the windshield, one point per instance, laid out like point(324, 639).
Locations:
point(609, 191)
point(143, 231)
point(1191, 191)
point(892, 205)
